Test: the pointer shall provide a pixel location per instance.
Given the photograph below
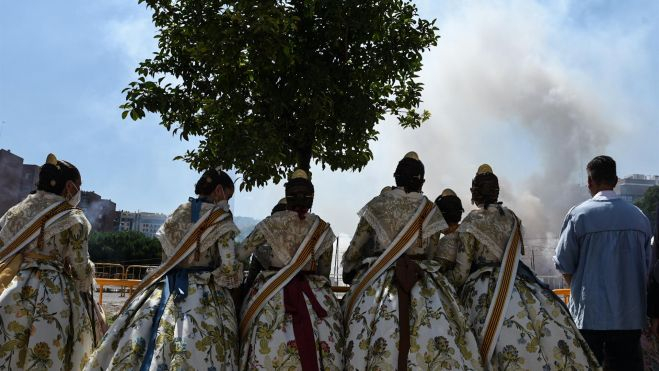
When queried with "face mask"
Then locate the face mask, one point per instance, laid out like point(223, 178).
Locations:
point(75, 200)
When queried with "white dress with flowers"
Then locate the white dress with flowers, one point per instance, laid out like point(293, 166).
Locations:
point(270, 343)
point(196, 330)
point(45, 323)
point(439, 335)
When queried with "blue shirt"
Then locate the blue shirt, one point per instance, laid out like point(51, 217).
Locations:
point(605, 246)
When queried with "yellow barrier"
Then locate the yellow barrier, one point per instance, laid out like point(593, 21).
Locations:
point(564, 293)
point(102, 282)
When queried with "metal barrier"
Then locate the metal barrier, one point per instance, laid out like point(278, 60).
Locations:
point(564, 293)
point(102, 282)
point(109, 270)
point(137, 272)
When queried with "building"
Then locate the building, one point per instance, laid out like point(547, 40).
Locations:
point(100, 212)
point(17, 179)
point(146, 223)
point(633, 187)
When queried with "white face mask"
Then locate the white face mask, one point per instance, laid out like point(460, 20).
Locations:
point(75, 200)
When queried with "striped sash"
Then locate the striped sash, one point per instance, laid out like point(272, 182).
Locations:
point(501, 297)
point(34, 229)
point(185, 247)
point(302, 256)
point(400, 244)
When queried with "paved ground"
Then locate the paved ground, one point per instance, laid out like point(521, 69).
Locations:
point(112, 302)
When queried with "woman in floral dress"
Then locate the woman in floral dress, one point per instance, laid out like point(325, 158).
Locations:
point(537, 332)
point(186, 320)
point(300, 327)
point(47, 317)
point(437, 333)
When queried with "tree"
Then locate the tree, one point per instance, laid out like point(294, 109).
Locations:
point(129, 247)
point(649, 204)
point(269, 85)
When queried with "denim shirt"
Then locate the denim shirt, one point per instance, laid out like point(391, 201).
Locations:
point(605, 246)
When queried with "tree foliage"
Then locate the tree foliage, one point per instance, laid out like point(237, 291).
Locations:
point(269, 85)
point(126, 248)
point(649, 204)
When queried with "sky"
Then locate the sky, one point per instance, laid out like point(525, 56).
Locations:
point(534, 88)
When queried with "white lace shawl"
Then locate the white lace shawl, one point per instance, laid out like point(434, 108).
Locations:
point(179, 223)
point(284, 231)
point(490, 228)
point(389, 212)
point(24, 212)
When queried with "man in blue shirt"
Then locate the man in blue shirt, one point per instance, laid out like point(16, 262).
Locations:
point(604, 254)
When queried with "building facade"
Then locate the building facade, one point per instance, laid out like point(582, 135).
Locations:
point(17, 180)
point(633, 187)
point(143, 222)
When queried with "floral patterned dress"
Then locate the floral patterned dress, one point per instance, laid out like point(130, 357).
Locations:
point(271, 342)
point(196, 329)
point(45, 323)
point(439, 335)
point(537, 332)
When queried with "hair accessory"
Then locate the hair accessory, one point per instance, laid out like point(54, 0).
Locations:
point(299, 174)
point(413, 155)
point(51, 159)
point(448, 192)
point(483, 169)
point(53, 183)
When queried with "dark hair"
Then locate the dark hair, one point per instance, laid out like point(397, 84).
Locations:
point(278, 207)
point(451, 208)
point(485, 189)
point(409, 174)
point(210, 180)
point(53, 178)
point(299, 195)
point(602, 170)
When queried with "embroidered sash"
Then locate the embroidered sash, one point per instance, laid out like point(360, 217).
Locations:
point(400, 244)
point(34, 229)
point(185, 247)
point(501, 297)
point(302, 256)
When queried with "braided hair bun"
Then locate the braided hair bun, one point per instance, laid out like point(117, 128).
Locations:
point(299, 193)
point(54, 174)
point(450, 205)
point(409, 173)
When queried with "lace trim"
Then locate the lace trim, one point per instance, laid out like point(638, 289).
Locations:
point(372, 220)
point(281, 252)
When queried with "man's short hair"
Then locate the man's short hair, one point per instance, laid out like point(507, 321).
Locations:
point(602, 170)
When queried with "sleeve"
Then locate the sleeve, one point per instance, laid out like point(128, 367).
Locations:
point(325, 263)
point(567, 250)
point(465, 246)
point(249, 245)
point(76, 256)
point(353, 256)
point(446, 251)
point(230, 272)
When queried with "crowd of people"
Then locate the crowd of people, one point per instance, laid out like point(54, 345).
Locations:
point(429, 289)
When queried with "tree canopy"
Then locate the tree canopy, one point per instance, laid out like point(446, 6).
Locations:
point(268, 86)
point(129, 247)
point(649, 204)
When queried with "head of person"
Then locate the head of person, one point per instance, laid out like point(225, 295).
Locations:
point(61, 178)
point(450, 205)
point(280, 206)
point(299, 193)
point(601, 174)
point(215, 185)
point(485, 187)
point(409, 173)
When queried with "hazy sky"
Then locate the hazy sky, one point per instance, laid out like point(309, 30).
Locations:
point(535, 88)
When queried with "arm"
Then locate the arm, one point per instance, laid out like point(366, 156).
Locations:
point(76, 256)
point(230, 272)
point(325, 263)
point(249, 245)
point(465, 246)
point(353, 256)
point(567, 251)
